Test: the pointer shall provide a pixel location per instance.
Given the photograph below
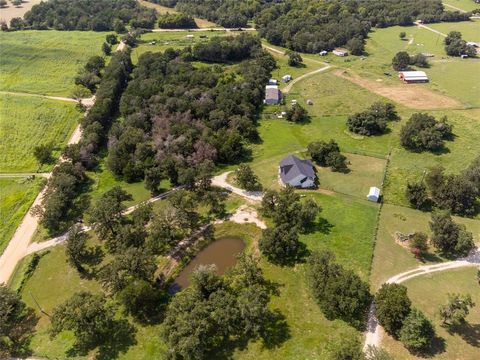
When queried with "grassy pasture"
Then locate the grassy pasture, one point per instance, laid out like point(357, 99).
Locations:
point(29, 121)
point(467, 5)
point(409, 166)
point(346, 228)
point(427, 294)
point(389, 257)
point(16, 196)
point(470, 29)
point(45, 62)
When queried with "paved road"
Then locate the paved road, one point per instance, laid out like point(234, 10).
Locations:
point(373, 336)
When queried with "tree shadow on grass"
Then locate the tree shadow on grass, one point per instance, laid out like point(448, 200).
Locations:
point(120, 339)
point(436, 347)
point(276, 330)
point(468, 332)
point(321, 225)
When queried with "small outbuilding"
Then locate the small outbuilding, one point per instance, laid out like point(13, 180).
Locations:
point(373, 194)
point(273, 82)
point(340, 52)
point(296, 172)
point(411, 77)
point(273, 95)
point(286, 78)
point(323, 53)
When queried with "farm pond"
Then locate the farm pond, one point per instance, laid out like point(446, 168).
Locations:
point(222, 253)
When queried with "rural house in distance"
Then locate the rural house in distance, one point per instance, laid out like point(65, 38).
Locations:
point(296, 172)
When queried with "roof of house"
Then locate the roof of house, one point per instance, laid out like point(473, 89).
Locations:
point(291, 167)
point(374, 191)
point(413, 74)
point(272, 93)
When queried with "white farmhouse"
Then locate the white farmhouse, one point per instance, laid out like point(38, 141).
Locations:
point(373, 194)
point(296, 172)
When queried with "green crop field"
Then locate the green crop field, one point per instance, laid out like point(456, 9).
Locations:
point(45, 62)
point(427, 294)
point(27, 121)
point(16, 196)
point(389, 257)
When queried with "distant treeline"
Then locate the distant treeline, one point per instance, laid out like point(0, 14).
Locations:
point(176, 21)
point(96, 15)
point(315, 25)
point(181, 120)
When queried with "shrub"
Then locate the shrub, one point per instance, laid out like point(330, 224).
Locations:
point(392, 307)
point(417, 331)
point(416, 194)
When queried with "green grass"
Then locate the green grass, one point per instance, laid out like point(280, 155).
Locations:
point(389, 257)
point(16, 196)
point(45, 62)
point(470, 29)
point(427, 294)
point(467, 5)
point(27, 121)
point(410, 166)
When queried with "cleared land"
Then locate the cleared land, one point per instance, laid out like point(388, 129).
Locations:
point(16, 196)
point(391, 258)
point(9, 12)
point(29, 121)
point(45, 62)
point(201, 23)
point(427, 294)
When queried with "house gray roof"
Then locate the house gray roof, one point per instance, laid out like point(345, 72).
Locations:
point(291, 167)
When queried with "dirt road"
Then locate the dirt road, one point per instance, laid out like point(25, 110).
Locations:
point(373, 334)
point(221, 181)
point(430, 29)
point(60, 98)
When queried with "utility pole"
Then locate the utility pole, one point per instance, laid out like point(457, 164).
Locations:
point(38, 305)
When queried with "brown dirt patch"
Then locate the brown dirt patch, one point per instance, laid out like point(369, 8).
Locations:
point(414, 96)
point(9, 12)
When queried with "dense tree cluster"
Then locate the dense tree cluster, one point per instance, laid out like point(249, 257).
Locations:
point(214, 311)
point(402, 61)
point(394, 313)
point(17, 324)
point(96, 15)
point(327, 154)
point(456, 192)
point(449, 237)
point(372, 121)
point(246, 178)
point(423, 132)
point(180, 119)
point(89, 75)
point(339, 292)
point(280, 244)
point(176, 21)
point(456, 46)
point(227, 49)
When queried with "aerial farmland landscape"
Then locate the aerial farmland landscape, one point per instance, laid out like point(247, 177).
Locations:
point(240, 179)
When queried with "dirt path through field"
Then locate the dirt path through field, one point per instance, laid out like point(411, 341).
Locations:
point(454, 7)
point(373, 334)
point(60, 98)
point(221, 181)
point(430, 29)
point(17, 175)
point(414, 96)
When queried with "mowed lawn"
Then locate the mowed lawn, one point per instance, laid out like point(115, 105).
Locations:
point(27, 121)
point(45, 62)
point(466, 5)
point(16, 196)
point(391, 258)
point(428, 293)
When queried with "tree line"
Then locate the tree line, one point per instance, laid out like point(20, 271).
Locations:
point(96, 15)
point(181, 120)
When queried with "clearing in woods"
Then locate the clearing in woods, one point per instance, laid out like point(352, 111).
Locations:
point(9, 12)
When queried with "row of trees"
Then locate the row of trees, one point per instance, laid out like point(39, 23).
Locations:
point(374, 120)
point(180, 120)
point(96, 15)
point(458, 193)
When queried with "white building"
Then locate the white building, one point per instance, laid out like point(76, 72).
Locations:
point(373, 194)
point(413, 76)
point(286, 78)
point(273, 82)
